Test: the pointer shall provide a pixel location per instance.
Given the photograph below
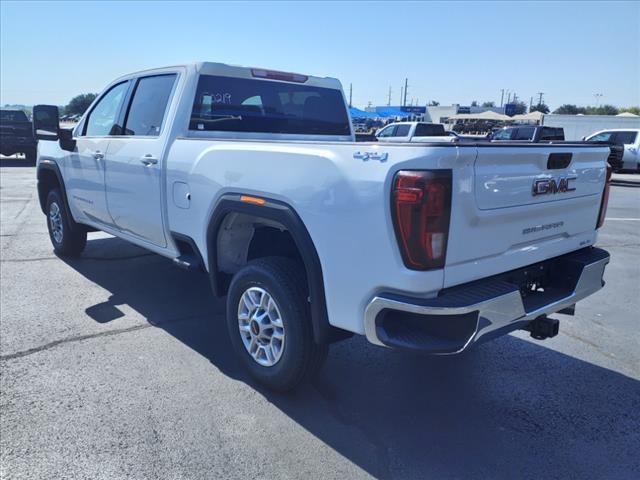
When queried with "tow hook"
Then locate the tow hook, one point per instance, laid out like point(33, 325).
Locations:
point(543, 327)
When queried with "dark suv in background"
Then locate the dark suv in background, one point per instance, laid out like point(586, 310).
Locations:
point(16, 134)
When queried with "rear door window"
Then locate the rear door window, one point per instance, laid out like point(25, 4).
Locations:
point(228, 104)
point(148, 105)
point(626, 138)
point(551, 134)
point(525, 133)
point(402, 130)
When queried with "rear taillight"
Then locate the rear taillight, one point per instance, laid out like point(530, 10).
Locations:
point(421, 209)
point(605, 198)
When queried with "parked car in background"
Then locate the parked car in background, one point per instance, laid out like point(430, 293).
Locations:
point(414, 132)
point(253, 176)
point(628, 139)
point(16, 134)
point(528, 133)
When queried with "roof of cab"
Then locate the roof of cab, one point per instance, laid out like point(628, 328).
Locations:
point(226, 70)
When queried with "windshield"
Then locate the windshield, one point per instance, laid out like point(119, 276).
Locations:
point(227, 104)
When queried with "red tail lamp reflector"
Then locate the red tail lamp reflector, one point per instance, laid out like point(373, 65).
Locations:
point(421, 210)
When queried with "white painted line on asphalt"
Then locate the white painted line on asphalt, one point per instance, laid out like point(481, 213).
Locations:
point(624, 219)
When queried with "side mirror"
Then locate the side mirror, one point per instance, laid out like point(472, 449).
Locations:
point(66, 140)
point(46, 123)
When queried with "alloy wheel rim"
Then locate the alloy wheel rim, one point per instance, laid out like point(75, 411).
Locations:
point(261, 327)
point(55, 220)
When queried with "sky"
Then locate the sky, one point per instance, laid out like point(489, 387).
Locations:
point(450, 52)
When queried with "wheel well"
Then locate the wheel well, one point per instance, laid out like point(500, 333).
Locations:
point(47, 181)
point(243, 237)
point(239, 232)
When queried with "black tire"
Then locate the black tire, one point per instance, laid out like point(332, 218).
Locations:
point(73, 237)
point(301, 357)
point(30, 154)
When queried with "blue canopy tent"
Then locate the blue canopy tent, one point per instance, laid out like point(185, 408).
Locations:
point(357, 113)
point(392, 112)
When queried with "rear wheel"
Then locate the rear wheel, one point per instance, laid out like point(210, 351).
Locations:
point(67, 237)
point(269, 323)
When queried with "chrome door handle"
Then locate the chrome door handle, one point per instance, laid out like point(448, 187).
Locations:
point(98, 155)
point(149, 160)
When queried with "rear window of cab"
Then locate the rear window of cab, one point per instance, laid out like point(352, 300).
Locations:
point(228, 104)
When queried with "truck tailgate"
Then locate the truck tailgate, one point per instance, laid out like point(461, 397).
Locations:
point(524, 205)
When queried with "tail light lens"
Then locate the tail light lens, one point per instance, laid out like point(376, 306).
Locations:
point(605, 198)
point(421, 209)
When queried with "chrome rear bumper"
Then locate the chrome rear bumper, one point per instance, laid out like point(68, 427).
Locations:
point(467, 314)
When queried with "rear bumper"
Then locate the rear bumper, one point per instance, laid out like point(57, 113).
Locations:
point(467, 314)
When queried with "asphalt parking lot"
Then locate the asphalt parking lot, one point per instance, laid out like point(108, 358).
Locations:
point(117, 365)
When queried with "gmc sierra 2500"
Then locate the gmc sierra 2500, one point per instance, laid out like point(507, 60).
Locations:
point(253, 175)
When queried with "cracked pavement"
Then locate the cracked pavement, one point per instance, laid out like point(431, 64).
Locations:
point(117, 365)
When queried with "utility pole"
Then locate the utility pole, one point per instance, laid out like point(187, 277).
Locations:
point(350, 94)
point(530, 103)
point(389, 101)
point(406, 85)
point(401, 90)
point(501, 97)
point(508, 97)
point(598, 96)
point(540, 99)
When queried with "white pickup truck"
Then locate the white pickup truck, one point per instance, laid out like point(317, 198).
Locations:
point(254, 176)
point(425, 132)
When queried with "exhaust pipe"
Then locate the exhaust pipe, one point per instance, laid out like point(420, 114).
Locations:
point(543, 327)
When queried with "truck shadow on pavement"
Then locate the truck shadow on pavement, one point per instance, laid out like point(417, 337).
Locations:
point(508, 409)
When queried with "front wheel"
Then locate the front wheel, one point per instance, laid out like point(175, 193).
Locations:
point(67, 237)
point(269, 323)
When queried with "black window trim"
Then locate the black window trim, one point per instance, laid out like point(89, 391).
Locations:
point(128, 101)
point(119, 116)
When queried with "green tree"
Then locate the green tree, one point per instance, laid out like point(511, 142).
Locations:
point(568, 109)
point(634, 110)
point(601, 110)
point(434, 103)
point(489, 104)
point(521, 108)
point(474, 103)
point(79, 103)
point(541, 107)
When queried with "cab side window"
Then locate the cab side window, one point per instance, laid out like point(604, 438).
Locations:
point(402, 130)
point(102, 120)
point(148, 106)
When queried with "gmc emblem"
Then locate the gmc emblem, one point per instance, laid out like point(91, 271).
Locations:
point(552, 186)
